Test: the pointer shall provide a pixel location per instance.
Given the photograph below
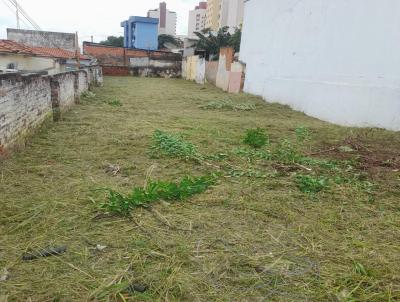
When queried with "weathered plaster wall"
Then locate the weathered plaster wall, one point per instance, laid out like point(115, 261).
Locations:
point(334, 60)
point(225, 73)
point(27, 100)
point(211, 72)
point(137, 62)
point(42, 38)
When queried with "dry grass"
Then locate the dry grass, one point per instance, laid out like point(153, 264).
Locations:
point(246, 239)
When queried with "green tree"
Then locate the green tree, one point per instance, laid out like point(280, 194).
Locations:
point(168, 41)
point(113, 41)
point(211, 42)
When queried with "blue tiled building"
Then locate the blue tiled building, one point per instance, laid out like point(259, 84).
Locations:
point(141, 32)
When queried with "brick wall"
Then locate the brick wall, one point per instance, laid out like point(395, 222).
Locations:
point(122, 61)
point(28, 100)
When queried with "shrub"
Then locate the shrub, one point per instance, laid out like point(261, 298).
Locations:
point(256, 138)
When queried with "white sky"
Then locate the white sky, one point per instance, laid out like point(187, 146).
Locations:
point(99, 18)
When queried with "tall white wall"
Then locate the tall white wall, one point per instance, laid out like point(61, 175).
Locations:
point(335, 60)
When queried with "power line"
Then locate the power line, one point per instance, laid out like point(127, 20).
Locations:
point(13, 13)
point(20, 9)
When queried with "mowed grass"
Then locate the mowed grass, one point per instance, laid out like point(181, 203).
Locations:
point(254, 236)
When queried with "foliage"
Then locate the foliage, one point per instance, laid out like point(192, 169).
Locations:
point(235, 39)
point(168, 41)
point(154, 191)
point(211, 42)
point(256, 138)
point(113, 41)
point(226, 104)
point(302, 134)
point(311, 184)
point(174, 146)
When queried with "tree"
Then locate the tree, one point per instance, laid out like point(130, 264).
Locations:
point(113, 41)
point(211, 42)
point(168, 41)
point(235, 39)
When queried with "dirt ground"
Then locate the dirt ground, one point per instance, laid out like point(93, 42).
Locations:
point(254, 236)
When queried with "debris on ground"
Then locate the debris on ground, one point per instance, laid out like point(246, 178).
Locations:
point(137, 287)
point(5, 275)
point(51, 251)
point(100, 247)
point(114, 170)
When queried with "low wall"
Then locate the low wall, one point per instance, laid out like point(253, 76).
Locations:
point(26, 101)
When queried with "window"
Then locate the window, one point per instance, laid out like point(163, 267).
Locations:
point(11, 66)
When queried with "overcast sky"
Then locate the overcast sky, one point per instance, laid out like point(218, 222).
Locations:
point(99, 18)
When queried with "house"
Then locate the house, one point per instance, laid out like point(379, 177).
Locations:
point(334, 60)
point(141, 33)
point(23, 58)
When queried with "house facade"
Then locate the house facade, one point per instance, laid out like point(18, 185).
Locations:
point(20, 57)
point(333, 60)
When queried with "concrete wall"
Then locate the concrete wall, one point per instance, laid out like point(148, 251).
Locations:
point(42, 38)
point(334, 60)
point(137, 62)
point(27, 100)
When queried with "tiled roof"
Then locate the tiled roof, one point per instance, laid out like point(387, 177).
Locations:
point(14, 47)
point(8, 46)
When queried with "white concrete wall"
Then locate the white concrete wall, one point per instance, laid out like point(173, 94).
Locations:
point(335, 60)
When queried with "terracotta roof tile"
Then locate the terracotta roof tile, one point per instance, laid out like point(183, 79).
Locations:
point(8, 46)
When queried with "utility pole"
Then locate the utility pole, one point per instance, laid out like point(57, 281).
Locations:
point(91, 38)
point(16, 6)
point(77, 51)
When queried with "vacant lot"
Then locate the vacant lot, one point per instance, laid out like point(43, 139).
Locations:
point(311, 215)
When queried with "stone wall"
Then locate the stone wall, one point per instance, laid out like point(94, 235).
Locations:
point(26, 101)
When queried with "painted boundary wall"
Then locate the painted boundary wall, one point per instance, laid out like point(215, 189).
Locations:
point(333, 60)
point(224, 74)
point(26, 101)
